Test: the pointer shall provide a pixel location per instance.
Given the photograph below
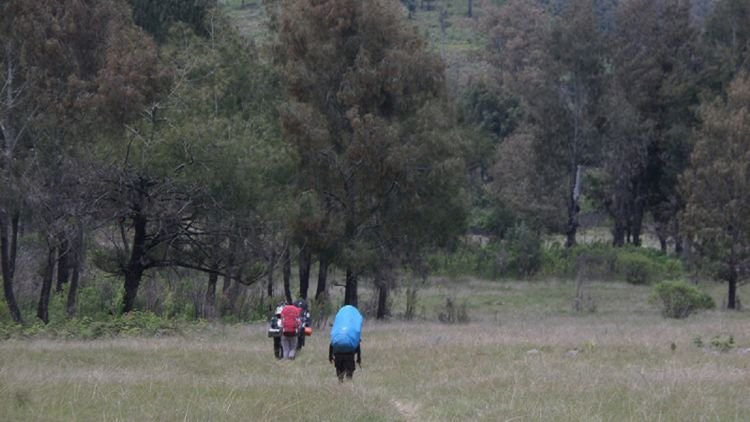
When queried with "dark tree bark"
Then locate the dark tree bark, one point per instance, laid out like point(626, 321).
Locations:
point(322, 277)
point(8, 253)
point(305, 262)
point(136, 264)
point(226, 288)
point(637, 221)
point(732, 277)
point(572, 226)
point(63, 263)
point(42, 310)
point(382, 311)
point(209, 307)
point(78, 259)
point(271, 267)
point(618, 232)
point(732, 296)
point(350, 291)
point(287, 274)
point(470, 11)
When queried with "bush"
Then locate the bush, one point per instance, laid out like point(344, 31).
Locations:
point(679, 299)
point(596, 260)
point(129, 325)
point(454, 314)
point(525, 249)
point(637, 268)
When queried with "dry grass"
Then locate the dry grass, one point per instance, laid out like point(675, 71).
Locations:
point(514, 364)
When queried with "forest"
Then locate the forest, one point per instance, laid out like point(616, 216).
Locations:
point(205, 159)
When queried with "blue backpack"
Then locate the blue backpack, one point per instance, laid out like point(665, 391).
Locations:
point(346, 330)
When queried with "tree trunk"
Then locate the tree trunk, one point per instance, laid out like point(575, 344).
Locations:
point(287, 274)
point(350, 291)
point(733, 276)
point(382, 301)
point(305, 262)
point(572, 226)
point(78, 258)
point(618, 232)
point(637, 222)
point(470, 12)
point(271, 267)
point(209, 307)
point(42, 310)
point(8, 253)
point(322, 277)
point(63, 263)
point(225, 300)
point(662, 243)
point(732, 294)
point(136, 266)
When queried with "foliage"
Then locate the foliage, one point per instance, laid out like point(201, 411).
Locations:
point(603, 261)
point(133, 324)
point(368, 116)
point(157, 16)
point(636, 268)
point(525, 248)
point(678, 299)
point(716, 186)
point(722, 343)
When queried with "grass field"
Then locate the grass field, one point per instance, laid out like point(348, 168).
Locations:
point(526, 356)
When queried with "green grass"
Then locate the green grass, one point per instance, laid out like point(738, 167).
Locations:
point(525, 356)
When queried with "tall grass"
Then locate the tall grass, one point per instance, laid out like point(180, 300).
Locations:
point(514, 362)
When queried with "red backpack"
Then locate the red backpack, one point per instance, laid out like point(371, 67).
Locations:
point(290, 322)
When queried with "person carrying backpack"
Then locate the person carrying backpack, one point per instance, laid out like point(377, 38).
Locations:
point(274, 331)
point(345, 342)
point(290, 329)
point(305, 322)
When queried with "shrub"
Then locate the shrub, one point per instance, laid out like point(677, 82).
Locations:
point(679, 299)
point(454, 313)
point(525, 248)
point(637, 268)
point(723, 343)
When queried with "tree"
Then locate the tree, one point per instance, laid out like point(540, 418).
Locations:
point(624, 161)
point(727, 43)
point(200, 180)
point(655, 56)
point(60, 66)
point(717, 188)
point(156, 16)
point(555, 65)
point(367, 115)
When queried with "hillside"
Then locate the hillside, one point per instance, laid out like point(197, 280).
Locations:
point(456, 37)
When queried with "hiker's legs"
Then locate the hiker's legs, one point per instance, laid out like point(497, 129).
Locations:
point(340, 374)
point(289, 344)
point(292, 347)
point(277, 351)
point(344, 365)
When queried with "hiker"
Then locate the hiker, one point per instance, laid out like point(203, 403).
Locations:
point(345, 341)
point(344, 362)
point(290, 329)
point(305, 322)
point(274, 331)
